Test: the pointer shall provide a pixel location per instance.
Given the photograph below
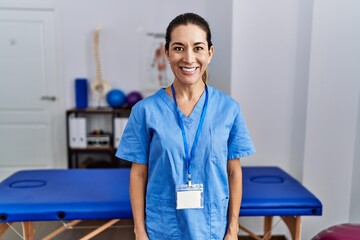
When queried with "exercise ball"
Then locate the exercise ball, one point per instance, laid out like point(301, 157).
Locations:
point(116, 98)
point(133, 97)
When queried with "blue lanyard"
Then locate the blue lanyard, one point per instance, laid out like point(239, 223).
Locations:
point(189, 157)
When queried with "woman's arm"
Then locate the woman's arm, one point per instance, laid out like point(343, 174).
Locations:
point(138, 181)
point(235, 186)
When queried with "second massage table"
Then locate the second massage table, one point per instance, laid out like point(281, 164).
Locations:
point(95, 194)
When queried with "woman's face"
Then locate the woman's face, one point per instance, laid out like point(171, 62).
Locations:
point(189, 53)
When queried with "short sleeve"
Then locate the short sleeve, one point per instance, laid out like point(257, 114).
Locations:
point(134, 144)
point(239, 142)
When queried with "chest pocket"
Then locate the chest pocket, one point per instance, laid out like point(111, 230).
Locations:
point(219, 144)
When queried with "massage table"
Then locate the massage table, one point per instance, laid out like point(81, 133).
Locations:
point(269, 192)
point(97, 194)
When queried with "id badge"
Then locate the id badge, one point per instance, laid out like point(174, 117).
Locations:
point(189, 196)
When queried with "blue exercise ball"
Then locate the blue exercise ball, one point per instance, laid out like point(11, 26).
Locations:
point(116, 98)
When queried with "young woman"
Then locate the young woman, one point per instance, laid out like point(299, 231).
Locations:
point(185, 143)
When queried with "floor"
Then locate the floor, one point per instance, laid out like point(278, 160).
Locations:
point(122, 230)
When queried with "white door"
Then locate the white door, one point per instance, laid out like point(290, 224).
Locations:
point(28, 92)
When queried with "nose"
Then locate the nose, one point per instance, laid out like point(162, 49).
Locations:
point(189, 56)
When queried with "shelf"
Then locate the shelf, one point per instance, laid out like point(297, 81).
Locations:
point(93, 149)
point(100, 110)
point(109, 119)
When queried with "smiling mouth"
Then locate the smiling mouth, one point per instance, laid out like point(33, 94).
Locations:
point(186, 69)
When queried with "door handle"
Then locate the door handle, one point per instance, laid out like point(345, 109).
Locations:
point(48, 98)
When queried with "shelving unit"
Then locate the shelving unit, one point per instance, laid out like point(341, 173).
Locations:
point(86, 156)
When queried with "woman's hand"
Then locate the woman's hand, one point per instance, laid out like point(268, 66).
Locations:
point(141, 236)
point(232, 232)
point(228, 236)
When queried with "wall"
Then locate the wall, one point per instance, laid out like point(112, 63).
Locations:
point(294, 71)
point(264, 59)
point(124, 23)
point(355, 193)
point(332, 110)
point(266, 36)
point(221, 26)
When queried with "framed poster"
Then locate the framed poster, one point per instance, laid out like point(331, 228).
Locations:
point(156, 71)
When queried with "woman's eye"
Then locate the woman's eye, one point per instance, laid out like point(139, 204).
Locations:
point(178, 48)
point(198, 49)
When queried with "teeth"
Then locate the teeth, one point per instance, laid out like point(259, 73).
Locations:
point(188, 69)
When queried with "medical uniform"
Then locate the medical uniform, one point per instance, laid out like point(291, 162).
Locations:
point(153, 136)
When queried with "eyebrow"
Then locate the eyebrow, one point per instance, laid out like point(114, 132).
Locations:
point(181, 44)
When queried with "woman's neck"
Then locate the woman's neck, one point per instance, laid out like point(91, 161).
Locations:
point(187, 95)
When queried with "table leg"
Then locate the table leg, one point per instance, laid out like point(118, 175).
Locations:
point(28, 230)
point(251, 234)
point(267, 227)
point(293, 224)
point(61, 229)
point(3, 228)
point(100, 229)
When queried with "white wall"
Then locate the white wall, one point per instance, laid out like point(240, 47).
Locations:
point(355, 193)
point(295, 73)
point(263, 75)
point(220, 21)
point(332, 109)
point(124, 24)
point(265, 61)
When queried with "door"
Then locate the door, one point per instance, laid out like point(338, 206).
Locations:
point(28, 93)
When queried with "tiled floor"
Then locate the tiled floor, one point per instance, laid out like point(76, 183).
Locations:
point(122, 230)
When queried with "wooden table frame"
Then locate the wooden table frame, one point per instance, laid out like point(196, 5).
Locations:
point(292, 223)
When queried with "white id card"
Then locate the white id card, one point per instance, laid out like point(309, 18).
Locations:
point(189, 196)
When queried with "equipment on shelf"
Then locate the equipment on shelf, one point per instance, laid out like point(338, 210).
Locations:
point(116, 98)
point(100, 130)
point(98, 138)
point(133, 97)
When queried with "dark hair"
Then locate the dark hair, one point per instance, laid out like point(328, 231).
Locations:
point(185, 19)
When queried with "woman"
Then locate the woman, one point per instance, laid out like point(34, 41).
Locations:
point(185, 143)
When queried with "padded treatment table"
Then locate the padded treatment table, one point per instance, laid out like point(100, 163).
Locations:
point(47, 195)
point(269, 192)
point(85, 194)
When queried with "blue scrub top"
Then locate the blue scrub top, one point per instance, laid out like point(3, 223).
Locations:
point(153, 137)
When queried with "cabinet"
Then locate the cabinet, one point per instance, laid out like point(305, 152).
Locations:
point(93, 135)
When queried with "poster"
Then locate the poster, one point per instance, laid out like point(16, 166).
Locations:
point(156, 69)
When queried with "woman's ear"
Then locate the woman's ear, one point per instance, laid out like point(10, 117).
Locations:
point(211, 53)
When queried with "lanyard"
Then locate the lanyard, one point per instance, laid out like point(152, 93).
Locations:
point(198, 131)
